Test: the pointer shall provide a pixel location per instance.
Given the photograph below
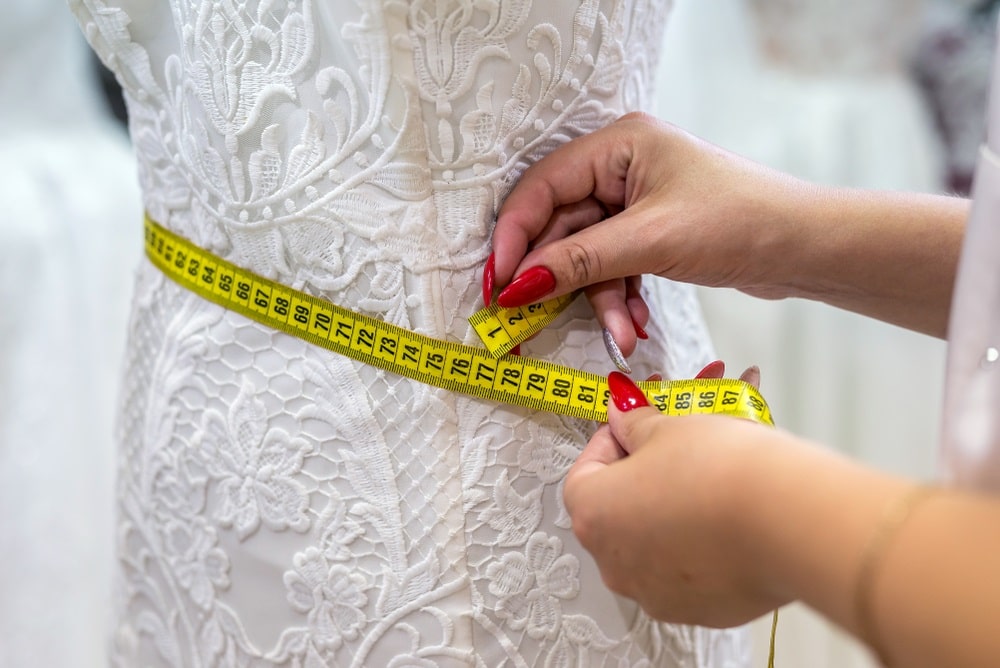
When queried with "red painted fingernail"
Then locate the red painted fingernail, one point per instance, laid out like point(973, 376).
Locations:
point(489, 275)
point(527, 288)
point(655, 378)
point(712, 370)
point(624, 392)
point(639, 331)
point(516, 350)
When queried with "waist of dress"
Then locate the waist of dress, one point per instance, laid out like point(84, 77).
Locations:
point(516, 380)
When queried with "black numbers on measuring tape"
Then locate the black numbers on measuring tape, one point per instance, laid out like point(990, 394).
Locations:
point(757, 404)
point(344, 329)
point(660, 401)
point(730, 397)
point(226, 283)
point(706, 399)
point(460, 367)
point(180, 260)
point(322, 321)
point(683, 401)
point(536, 382)
point(587, 394)
point(531, 308)
point(208, 276)
point(561, 387)
point(263, 299)
point(281, 305)
point(366, 337)
point(511, 377)
point(514, 319)
point(434, 361)
point(243, 290)
point(485, 372)
point(387, 346)
point(494, 332)
point(193, 266)
point(411, 353)
point(301, 314)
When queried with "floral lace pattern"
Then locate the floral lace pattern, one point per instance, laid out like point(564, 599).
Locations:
point(280, 505)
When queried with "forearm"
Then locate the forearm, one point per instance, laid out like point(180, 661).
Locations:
point(890, 256)
point(808, 517)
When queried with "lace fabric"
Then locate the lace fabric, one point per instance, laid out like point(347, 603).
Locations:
point(280, 505)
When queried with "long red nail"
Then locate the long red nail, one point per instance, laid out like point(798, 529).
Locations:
point(713, 370)
point(489, 276)
point(527, 288)
point(639, 331)
point(624, 392)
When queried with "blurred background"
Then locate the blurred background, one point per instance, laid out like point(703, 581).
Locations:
point(69, 239)
point(868, 93)
point(883, 94)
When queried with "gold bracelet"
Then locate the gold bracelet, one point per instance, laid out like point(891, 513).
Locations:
point(893, 518)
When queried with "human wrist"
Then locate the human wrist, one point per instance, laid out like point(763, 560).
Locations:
point(895, 515)
point(755, 474)
point(780, 247)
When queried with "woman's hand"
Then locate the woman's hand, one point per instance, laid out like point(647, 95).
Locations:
point(644, 197)
point(652, 498)
point(638, 197)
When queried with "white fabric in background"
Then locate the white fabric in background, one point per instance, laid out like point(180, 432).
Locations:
point(972, 425)
point(68, 248)
point(818, 89)
point(281, 505)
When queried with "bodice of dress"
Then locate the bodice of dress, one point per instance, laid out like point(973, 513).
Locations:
point(837, 36)
point(359, 149)
point(280, 505)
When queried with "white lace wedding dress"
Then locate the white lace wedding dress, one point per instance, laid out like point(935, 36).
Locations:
point(281, 505)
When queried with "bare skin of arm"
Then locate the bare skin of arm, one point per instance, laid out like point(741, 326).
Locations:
point(714, 521)
point(711, 520)
point(685, 209)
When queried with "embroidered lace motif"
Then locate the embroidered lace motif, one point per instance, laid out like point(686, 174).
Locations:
point(280, 505)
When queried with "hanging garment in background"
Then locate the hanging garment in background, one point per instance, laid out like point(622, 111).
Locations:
point(68, 251)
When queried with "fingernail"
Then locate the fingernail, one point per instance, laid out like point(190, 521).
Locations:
point(655, 378)
point(639, 331)
point(489, 275)
point(751, 376)
point(713, 370)
point(615, 353)
point(516, 350)
point(625, 393)
point(527, 288)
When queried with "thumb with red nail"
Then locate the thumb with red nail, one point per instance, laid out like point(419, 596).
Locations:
point(653, 499)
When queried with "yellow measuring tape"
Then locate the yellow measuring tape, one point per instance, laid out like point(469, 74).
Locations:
point(481, 372)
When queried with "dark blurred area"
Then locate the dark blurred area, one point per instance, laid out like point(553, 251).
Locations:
point(952, 65)
point(110, 89)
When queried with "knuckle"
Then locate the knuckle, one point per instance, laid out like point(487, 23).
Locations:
point(613, 581)
point(584, 265)
point(583, 527)
point(637, 116)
